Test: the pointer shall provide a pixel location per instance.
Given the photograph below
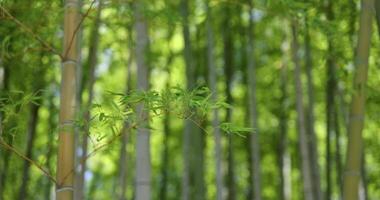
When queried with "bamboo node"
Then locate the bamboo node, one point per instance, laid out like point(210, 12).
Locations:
point(71, 4)
point(143, 182)
point(351, 173)
point(65, 188)
point(357, 117)
point(68, 61)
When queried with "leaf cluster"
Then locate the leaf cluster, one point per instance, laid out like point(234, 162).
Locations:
point(193, 105)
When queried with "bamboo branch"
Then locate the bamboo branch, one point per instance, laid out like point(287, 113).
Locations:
point(77, 28)
point(97, 149)
point(40, 167)
point(28, 30)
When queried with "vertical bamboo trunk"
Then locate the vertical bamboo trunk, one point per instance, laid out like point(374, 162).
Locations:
point(5, 170)
point(32, 126)
point(363, 187)
point(92, 62)
point(212, 79)
point(165, 156)
point(193, 137)
point(190, 84)
point(313, 142)
point(352, 19)
point(5, 155)
point(165, 159)
point(252, 104)
point(65, 166)
point(228, 71)
point(338, 162)
point(283, 152)
point(167, 131)
point(303, 137)
point(377, 9)
point(330, 102)
point(352, 172)
point(198, 144)
point(123, 179)
point(81, 77)
point(2, 77)
point(143, 166)
point(52, 124)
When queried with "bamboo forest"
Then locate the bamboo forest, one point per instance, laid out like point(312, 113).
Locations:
point(189, 99)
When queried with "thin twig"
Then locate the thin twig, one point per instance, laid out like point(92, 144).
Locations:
point(41, 168)
point(28, 30)
point(97, 149)
point(77, 29)
point(197, 124)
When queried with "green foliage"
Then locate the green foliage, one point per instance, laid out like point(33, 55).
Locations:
point(13, 106)
point(231, 128)
point(176, 101)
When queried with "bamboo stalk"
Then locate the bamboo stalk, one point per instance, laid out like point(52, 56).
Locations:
point(212, 78)
point(303, 136)
point(143, 163)
point(65, 165)
point(252, 103)
point(352, 171)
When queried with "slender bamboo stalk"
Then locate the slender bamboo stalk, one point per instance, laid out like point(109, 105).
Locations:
point(165, 155)
point(123, 164)
point(283, 152)
point(2, 89)
point(92, 62)
point(352, 171)
point(252, 104)
point(163, 194)
point(52, 124)
point(190, 84)
point(5, 155)
point(377, 8)
point(122, 179)
point(32, 126)
point(303, 137)
point(330, 101)
point(228, 58)
point(143, 165)
point(212, 78)
point(313, 142)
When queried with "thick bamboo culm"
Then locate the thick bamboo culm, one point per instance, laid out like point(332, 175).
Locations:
point(356, 122)
point(65, 166)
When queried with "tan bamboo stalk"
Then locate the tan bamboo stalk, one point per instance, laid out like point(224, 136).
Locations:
point(356, 121)
point(65, 165)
